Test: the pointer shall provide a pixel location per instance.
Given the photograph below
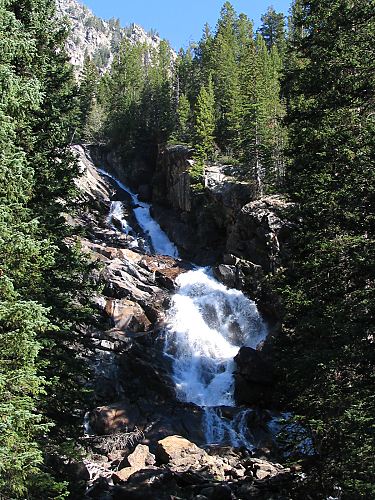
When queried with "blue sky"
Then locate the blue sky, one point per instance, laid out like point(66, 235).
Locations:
point(179, 21)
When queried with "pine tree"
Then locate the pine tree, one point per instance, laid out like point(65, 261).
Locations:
point(40, 276)
point(273, 30)
point(184, 119)
point(263, 137)
point(126, 86)
point(88, 101)
point(204, 128)
point(25, 256)
point(158, 97)
point(226, 80)
point(326, 352)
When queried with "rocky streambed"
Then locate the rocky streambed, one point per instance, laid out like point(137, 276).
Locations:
point(146, 436)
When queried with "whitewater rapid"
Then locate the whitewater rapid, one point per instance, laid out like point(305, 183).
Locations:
point(207, 325)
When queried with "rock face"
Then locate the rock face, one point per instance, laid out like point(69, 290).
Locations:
point(97, 38)
point(261, 232)
point(171, 184)
point(197, 222)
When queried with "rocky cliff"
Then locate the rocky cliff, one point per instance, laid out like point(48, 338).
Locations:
point(97, 38)
point(225, 218)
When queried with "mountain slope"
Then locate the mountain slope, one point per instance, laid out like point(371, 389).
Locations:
point(95, 37)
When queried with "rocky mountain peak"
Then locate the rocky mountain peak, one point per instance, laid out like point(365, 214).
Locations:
point(97, 38)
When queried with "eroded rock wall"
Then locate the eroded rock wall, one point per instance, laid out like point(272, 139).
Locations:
point(224, 218)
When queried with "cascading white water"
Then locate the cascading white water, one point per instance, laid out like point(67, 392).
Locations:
point(116, 212)
point(208, 323)
point(160, 241)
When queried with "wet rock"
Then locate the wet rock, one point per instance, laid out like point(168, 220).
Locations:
point(149, 373)
point(166, 270)
point(226, 274)
point(145, 192)
point(253, 378)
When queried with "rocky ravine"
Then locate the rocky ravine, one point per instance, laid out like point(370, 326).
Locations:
point(142, 442)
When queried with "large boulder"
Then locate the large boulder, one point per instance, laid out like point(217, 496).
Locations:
point(140, 459)
point(253, 378)
point(181, 455)
point(173, 449)
point(261, 233)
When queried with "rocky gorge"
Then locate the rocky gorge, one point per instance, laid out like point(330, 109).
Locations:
point(165, 423)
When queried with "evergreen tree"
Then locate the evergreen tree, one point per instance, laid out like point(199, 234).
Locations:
point(158, 97)
point(204, 128)
point(126, 87)
point(40, 277)
point(273, 30)
point(326, 352)
point(88, 100)
point(184, 119)
point(263, 135)
point(226, 80)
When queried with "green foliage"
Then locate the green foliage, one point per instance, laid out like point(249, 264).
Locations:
point(184, 119)
point(139, 111)
point(273, 30)
point(204, 123)
point(326, 353)
point(246, 80)
point(40, 277)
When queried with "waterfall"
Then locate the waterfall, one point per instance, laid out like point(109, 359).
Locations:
point(207, 325)
point(160, 242)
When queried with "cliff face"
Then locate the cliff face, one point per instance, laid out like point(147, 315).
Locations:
point(95, 37)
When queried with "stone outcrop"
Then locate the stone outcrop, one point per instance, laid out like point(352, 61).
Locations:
point(196, 221)
point(261, 233)
point(171, 183)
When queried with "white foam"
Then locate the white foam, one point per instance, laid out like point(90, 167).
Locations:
point(116, 212)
